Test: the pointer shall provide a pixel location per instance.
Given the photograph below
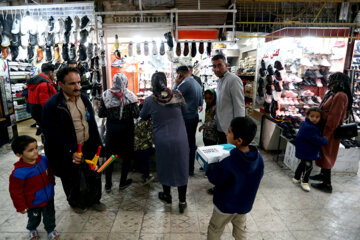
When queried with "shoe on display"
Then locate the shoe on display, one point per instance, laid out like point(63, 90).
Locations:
point(278, 65)
point(311, 102)
point(277, 86)
point(42, 39)
point(76, 23)
point(262, 63)
point(339, 44)
point(42, 25)
point(278, 75)
point(275, 95)
point(186, 49)
point(72, 54)
point(96, 63)
point(146, 48)
point(154, 48)
point(117, 63)
point(293, 69)
point(68, 24)
point(315, 100)
point(67, 37)
point(286, 86)
point(270, 70)
point(83, 36)
point(306, 62)
point(33, 39)
point(116, 43)
point(169, 40)
point(82, 52)
point(24, 25)
point(65, 52)
point(16, 40)
point(5, 42)
point(30, 49)
point(49, 57)
point(51, 24)
point(91, 35)
point(14, 51)
point(262, 72)
point(84, 22)
point(162, 49)
point(50, 39)
point(117, 54)
point(96, 50)
point(56, 53)
point(318, 82)
point(16, 26)
point(90, 51)
point(324, 62)
point(291, 86)
point(178, 49)
point(39, 54)
point(138, 49)
point(201, 48)
point(290, 94)
point(208, 48)
point(193, 49)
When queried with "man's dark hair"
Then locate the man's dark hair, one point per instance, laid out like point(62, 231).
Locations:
point(183, 69)
point(63, 72)
point(19, 144)
point(218, 57)
point(244, 128)
point(71, 62)
point(313, 109)
point(47, 67)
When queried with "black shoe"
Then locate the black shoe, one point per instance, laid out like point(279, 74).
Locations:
point(83, 36)
point(33, 39)
point(211, 191)
point(182, 207)
point(169, 40)
point(90, 51)
point(51, 23)
point(165, 198)
point(322, 187)
point(72, 52)
point(50, 41)
point(127, 184)
point(48, 53)
point(14, 52)
point(30, 52)
point(319, 177)
point(108, 188)
point(84, 21)
point(82, 50)
point(67, 37)
point(65, 52)
point(68, 23)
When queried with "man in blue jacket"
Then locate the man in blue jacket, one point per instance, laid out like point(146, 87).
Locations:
point(192, 94)
point(68, 119)
point(236, 179)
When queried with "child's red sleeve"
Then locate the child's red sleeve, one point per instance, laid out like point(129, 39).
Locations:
point(16, 189)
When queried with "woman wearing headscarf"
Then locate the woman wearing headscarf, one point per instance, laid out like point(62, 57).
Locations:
point(210, 136)
point(119, 106)
point(335, 104)
point(170, 139)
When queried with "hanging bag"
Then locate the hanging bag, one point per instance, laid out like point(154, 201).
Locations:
point(346, 130)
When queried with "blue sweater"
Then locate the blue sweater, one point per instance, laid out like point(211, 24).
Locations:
point(192, 94)
point(309, 141)
point(236, 179)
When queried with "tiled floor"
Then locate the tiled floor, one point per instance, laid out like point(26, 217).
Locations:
point(281, 211)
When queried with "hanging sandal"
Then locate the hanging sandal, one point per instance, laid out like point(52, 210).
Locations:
point(33, 235)
point(53, 235)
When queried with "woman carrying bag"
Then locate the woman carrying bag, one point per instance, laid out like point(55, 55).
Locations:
point(336, 103)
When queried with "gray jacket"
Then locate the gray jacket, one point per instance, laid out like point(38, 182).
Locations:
point(230, 101)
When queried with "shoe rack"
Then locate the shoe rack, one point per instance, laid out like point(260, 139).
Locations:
point(355, 80)
point(293, 74)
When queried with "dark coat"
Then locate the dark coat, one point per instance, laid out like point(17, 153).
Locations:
point(308, 141)
point(236, 179)
point(60, 135)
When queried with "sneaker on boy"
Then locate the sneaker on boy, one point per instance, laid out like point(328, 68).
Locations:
point(236, 179)
point(32, 187)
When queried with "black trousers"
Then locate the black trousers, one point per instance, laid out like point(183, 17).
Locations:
point(304, 168)
point(191, 126)
point(181, 192)
point(222, 138)
point(120, 141)
point(327, 175)
point(48, 214)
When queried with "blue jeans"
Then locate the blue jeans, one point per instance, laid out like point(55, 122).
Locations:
point(191, 126)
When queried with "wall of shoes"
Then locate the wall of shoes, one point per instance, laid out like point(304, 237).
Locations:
point(57, 33)
point(355, 66)
point(293, 73)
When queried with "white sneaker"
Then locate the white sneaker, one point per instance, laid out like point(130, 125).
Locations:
point(77, 23)
point(16, 26)
point(305, 186)
point(5, 41)
point(92, 36)
point(25, 40)
point(117, 63)
point(295, 181)
point(324, 62)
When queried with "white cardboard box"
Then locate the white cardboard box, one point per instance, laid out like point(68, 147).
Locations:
point(210, 154)
point(347, 160)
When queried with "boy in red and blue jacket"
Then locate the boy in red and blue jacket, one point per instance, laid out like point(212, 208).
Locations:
point(32, 187)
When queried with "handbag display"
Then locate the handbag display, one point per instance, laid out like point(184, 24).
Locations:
point(346, 130)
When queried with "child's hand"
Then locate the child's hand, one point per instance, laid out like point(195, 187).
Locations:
point(24, 211)
point(200, 128)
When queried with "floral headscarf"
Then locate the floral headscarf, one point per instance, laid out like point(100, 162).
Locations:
point(119, 95)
